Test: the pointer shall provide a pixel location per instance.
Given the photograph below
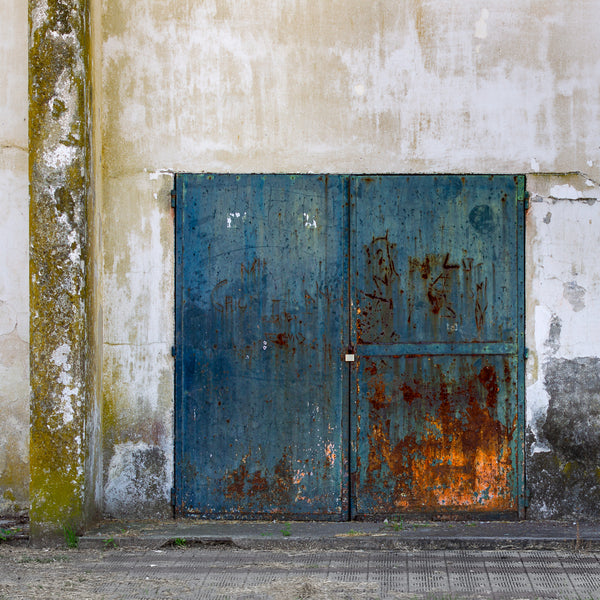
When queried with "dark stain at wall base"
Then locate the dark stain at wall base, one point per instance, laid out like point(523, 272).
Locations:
point(565, 481)
point(135, 486)
point(562, 489)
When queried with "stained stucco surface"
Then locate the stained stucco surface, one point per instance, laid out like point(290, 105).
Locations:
point(138, 335)
point(63, 408)
point(14, 268)
point(342, 86)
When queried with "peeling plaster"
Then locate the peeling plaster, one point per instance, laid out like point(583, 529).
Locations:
point(575, 294)
point(8, 318)
point(138, 334)
point(481, 25)
point(395, 87)
point(563, 334)
point(565, 192)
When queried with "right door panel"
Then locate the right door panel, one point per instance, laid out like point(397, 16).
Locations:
point(436, 417)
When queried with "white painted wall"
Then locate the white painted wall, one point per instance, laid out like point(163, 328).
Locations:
point(138, 335)
point(563, 275)
point(14, 265)
point(321, 86)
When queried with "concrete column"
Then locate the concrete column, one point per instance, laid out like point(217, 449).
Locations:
point(61, 271)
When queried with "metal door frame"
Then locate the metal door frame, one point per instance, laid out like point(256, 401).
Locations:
point(348, 497)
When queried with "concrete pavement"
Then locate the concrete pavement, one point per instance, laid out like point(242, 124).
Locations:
point(392, 534)
point(210, 573)
point(194, 559)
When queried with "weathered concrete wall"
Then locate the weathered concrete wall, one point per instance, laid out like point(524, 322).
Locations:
point(342, 86)
point(563, 331)
point(14, 269)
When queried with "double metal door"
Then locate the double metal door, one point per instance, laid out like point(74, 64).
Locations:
point(348, 346)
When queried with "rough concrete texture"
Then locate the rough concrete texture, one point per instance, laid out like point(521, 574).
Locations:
point(14, 281)
point(358, 535)
point(59, 244)
point(563, 335)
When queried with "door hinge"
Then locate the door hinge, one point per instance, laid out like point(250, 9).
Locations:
point(173, 198)
point(525, 353)
point(172, 496)
point(526, 199)
point(527, 497)
point(173, 351)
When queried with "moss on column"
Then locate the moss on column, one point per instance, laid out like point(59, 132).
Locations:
point(59, 146)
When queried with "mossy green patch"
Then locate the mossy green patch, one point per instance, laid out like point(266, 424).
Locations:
point(568, 467)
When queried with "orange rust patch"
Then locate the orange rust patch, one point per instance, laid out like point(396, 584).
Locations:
point(258, 484)
point(237, 482)
point(262, 492)
point(409, 393)
point(456, 455)
point(330, 454)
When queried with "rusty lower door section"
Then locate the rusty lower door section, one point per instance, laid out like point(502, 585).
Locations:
point(438, 319)
point(261, 322)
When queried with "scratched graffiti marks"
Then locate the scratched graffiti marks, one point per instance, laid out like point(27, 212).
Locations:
point(455, 291)
point(481, 304)
point(430, 298)
point(437, 437)
point(375, 322)
point(437, 290)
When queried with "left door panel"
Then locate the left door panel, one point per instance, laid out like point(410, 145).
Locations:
point(261, 313)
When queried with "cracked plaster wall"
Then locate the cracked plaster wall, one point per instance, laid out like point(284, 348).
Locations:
point(14, 262)
point(345, 86)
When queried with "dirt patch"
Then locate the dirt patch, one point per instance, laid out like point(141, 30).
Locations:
point(303, 588)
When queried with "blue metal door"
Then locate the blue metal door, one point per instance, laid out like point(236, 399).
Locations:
point(261, 320)
point(282, 280)
point(437, 277)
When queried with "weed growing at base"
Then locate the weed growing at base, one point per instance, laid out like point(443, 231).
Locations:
point(71, 538)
